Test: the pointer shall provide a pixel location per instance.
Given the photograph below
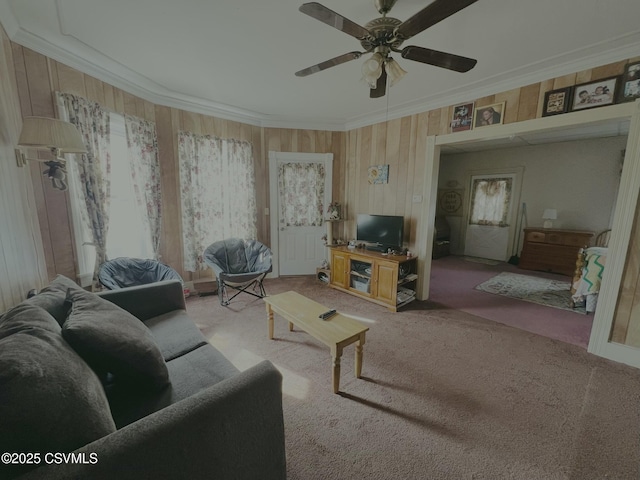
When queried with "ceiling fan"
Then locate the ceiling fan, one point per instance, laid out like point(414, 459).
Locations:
point(385, 35)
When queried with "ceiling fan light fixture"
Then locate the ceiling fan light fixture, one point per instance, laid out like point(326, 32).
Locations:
point(373, 65)
point(372, 69)
point(385, 35)
point(394, 70)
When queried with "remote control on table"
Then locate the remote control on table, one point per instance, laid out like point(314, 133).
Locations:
point(328, 314)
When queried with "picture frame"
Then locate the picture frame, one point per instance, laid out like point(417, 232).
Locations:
point(597, 93)
point(557, 101)
point(462, 118)
point(378, 174)
point(450, 201)
point(489, 115)
point(630, 87)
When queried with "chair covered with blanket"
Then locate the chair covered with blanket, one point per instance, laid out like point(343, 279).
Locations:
point(124, 272)
point(239, 264)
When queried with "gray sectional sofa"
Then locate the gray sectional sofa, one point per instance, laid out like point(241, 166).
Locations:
point(126, 381)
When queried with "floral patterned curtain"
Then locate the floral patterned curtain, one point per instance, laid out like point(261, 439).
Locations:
point(142, 143)
point(94, 167)
point(217, 190)
point(490, 201)
point(301, 187)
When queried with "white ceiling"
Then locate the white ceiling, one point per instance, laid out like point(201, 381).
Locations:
point(236, 59)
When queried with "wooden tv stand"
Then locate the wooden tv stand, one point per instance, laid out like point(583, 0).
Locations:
point(387, 280)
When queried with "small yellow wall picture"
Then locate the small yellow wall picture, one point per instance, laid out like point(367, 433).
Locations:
point(378, 174)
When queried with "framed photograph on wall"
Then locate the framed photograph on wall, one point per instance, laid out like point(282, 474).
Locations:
point(462, 117)
point(597, 93)
point(489, 115)
point(630, 88)
point(557, 101)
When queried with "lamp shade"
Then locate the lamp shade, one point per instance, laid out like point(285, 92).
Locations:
point(395, 71)
point(43, 132)
point(550, 214)
point(372, 69)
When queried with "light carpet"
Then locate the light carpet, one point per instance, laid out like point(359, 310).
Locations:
point(543, 291)
point(445, 395)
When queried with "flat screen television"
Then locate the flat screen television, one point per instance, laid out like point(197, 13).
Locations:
point(380, 232)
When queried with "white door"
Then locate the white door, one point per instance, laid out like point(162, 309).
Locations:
point(490, 215)
point(300, 192)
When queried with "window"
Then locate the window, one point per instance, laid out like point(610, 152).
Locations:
point(490, 201)
point(128, 236)
point(217, 192)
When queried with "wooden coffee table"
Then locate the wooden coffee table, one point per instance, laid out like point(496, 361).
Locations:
point(336, 332)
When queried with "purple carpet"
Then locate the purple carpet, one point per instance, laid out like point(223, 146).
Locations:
point(453, 282)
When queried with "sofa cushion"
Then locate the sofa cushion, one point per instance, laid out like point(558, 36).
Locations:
point(25, 317)
point(52, 297)
point(111, 340)
point(50, 400)
point(175, 334)
point(190, 373)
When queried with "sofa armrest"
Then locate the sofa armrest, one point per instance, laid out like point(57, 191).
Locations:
point(148, 301)
point(233, 429)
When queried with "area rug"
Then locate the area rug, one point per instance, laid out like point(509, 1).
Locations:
point(543, 291)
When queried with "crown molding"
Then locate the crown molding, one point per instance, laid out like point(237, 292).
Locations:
point(609, 51)
point(74, 53)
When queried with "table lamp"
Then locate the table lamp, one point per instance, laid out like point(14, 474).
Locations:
point(548, 216)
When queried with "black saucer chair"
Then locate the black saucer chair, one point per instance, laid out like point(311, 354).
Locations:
point(124, 272)
point(239, 264)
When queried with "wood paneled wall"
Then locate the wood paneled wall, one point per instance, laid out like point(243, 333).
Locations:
point(22, 261)
point(399, 143)
point(39, 77)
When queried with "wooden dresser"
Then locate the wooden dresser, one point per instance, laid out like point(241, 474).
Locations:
point(552, 250)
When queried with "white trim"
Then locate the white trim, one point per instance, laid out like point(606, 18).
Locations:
point(626, 206)
point(426, 225)
point(72, 51)
point(610, 51)
point(599, 343)
point(274, 212)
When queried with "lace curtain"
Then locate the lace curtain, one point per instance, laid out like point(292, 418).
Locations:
point(301, 187)
point(142, 149)
point(93, 168)
point(217, 190)
point(490, 201)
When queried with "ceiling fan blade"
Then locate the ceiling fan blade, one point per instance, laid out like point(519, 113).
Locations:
point(430, 15)
point(439, 59)
point(328, 64)
point(333, 19)
point(381, 86)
